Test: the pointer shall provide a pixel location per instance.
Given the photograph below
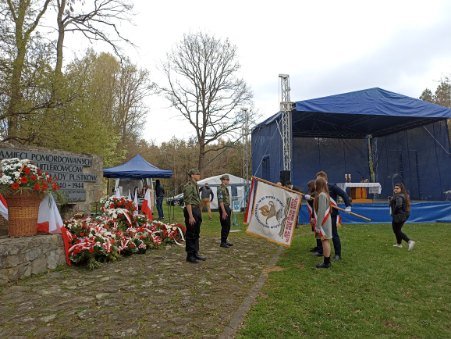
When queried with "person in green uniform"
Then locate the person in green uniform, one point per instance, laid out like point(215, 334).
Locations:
point(225, 211)
point(193, 217)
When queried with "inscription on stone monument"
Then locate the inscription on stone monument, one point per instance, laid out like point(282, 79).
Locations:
point(67, 170)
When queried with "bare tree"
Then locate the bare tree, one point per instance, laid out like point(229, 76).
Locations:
point(133, 85)
point(96, 21)
point(203, 86)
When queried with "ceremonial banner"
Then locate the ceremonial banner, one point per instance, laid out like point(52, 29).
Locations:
point(274, 212)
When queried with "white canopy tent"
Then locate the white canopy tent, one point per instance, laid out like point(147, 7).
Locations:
point(236, 188)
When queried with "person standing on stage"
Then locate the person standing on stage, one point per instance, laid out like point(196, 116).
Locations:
point(193, 217)
point(323, 225)
point(225, 212)
point(334, 192)
point(400, 212)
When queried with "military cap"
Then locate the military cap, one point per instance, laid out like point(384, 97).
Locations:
point(224, 177)
point(193, 171)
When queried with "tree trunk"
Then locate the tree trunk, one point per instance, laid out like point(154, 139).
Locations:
point(15, 92)
point(59, 46)
point(22, 37)
point(201, 162)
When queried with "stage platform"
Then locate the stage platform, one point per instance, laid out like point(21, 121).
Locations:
point(379, 212)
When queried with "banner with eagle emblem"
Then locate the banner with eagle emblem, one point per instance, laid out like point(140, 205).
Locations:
point(273, 212)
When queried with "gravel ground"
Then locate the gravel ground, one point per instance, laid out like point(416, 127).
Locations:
point(153, 295)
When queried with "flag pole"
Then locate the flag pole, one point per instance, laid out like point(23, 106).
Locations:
point(275, 185)
point(351, 213)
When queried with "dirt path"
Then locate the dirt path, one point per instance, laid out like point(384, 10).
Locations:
point(153, 295)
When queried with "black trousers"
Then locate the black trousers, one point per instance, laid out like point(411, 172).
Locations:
point(225, 223)
point(335, 238)
point(192, 231)
point(400, 236)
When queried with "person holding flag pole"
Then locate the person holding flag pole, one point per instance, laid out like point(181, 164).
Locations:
point(334, 192)
point(323, 226)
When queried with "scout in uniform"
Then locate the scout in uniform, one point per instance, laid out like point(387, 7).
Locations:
point(224, 210)
point(193, 217)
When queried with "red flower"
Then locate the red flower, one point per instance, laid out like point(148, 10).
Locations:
point(54, 186)
point(33, 177)
point(36, 187)
point(15, 186)
point(23, 180)
point(27, 170)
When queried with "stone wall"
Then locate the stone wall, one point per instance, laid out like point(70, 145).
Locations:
point(22, 257)
point(3, 226)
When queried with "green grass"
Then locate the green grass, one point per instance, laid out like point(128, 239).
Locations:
point(377, 290)
point(209, 228)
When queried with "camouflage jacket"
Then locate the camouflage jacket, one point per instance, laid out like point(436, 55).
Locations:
point(191, 193)
point(223, 195)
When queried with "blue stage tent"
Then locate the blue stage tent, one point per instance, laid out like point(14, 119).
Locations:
point(136, 168)
point(407, 139)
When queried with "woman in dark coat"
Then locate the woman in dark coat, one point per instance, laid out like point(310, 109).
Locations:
point(400, 211)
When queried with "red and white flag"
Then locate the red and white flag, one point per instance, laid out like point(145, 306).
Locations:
point(135, 200)
point(146, 207)
point(49, 218)
point(117, 192)
point(3, 207)
point(274, 213)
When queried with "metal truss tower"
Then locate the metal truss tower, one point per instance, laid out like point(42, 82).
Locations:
point(246, 149)
point(285, 107)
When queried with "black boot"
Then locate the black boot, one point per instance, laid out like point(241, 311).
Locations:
point(325, 264)
point(199, 257)
point(192, 259)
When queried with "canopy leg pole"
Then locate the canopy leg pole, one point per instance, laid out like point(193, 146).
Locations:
point(371, 160)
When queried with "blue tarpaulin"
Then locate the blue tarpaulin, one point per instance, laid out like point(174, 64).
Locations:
point(408, 138)
point(373, 111)
point(136, 168)
point(379, 212)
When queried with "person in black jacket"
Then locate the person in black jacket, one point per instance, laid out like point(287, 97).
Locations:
point(335, 192)
point(159, 192)
point(400, 212)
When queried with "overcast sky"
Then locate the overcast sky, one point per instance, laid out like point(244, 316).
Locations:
point(327, 47)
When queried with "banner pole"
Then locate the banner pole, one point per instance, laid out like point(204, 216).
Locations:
point(280, 186)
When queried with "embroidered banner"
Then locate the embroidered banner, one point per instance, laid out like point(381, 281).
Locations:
point(274, 212)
